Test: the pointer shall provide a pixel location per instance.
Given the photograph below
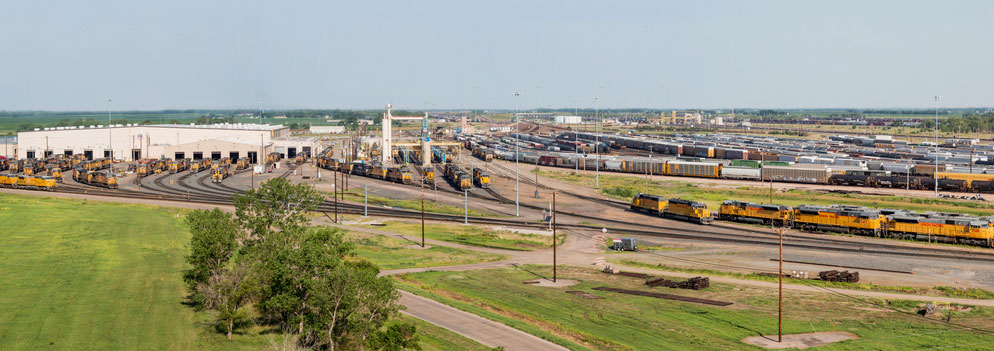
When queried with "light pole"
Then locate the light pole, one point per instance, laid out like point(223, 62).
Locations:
point(517, 153)
point(110, 138)
point(576, 150)
point(935, 175)
point(597, 146)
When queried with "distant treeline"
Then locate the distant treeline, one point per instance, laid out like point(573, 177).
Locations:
point(971, 123)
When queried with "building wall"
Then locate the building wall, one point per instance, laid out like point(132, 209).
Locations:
point(151, 140)
point(327, 129)
point(212, 148)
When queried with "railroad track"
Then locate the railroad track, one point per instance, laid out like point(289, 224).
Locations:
point(697, 234)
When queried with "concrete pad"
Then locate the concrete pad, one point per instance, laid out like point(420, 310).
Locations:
point(548, 283)
point(523, 230)
point(799, 341)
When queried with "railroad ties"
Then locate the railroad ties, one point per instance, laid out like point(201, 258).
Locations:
point(665, 296)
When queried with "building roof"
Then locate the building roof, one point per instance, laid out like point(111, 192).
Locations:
point(221, 126)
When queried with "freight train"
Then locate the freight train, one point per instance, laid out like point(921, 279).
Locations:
point(919, 178)
point(27, 182)
point(94, 178)
point(219, 173)
point(932, 226)
point(457, 177)
point(681, 209)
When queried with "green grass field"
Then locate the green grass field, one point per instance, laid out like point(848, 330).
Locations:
point(626, 322)
point(474, 235)
point(79, 275)
point(357, 196)
point(393, 252)
point(624, 187)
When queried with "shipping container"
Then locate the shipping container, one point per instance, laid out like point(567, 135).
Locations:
point(796, 175)
point(752, 173)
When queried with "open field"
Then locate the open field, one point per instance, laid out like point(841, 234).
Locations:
point(624, 187)
point(102, 276)
point(626, 322)
point(79, 275)
point(393, 252)
point(46, 119)
point(948, 291)
point(474, 235)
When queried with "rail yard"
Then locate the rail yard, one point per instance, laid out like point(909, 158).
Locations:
point(478, 172)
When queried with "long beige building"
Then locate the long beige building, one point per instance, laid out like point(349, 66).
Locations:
point(132, 142)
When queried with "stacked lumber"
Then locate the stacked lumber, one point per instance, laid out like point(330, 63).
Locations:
point(695, 283)
point(836, 276)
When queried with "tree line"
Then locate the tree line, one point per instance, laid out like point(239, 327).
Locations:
point(304, 280)
point(971, 123)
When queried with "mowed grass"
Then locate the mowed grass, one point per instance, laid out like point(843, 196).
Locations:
point(390, 252)
point(79, 275)
point(474, 235)
point(627, 322)
point(92, 276)
point(624, 187)
point(357, 196)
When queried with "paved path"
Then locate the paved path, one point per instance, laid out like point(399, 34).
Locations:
point(483, 330)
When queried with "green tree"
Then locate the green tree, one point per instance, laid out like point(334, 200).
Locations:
point(296, 272)
point(396, 337)
point(276, 206)
point(214, 240)
point(227, 291)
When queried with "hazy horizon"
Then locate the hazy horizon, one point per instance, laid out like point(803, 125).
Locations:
point(456, 55)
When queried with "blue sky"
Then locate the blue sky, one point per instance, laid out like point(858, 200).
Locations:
point(73, 55)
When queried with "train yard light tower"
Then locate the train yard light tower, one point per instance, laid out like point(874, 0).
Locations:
point(110, 138)
point(597, 146)
point(517, 153)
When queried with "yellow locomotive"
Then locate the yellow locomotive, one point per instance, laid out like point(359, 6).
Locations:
point(399, 175)
point(481, 178)
point(839, 218)
point(742, 211)
point(675, 208)
point(219, 173)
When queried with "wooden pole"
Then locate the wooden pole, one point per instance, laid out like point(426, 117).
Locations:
point(780, 231)
point(422, 210)
point(335, 196)
point(553, 237)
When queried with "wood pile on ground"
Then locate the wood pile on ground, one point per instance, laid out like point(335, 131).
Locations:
point(836, 276)
point(695, 283)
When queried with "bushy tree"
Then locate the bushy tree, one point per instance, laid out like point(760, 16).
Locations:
point(396, 337)
point(213, 242)
point(227, 291)
point(275, 207)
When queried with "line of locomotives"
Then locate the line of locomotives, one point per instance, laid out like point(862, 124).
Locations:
point(45, 174)
point(402, 174)
point(937, 226)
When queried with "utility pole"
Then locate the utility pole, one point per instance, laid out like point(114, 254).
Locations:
point(780, 231)
point(597, 146)
point(536, 180)
point(553, 236)
point(935, 176)
point(365, 196)
point(110, 138)
point(422, 210)
point(465, 208)
point(335, 195)
point(517, 153)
